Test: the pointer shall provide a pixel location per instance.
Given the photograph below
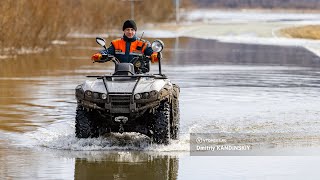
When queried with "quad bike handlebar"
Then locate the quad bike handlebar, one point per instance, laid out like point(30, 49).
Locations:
point(141, 63)
point(106, 58)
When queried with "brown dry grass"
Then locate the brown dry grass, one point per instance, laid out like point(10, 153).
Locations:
point(35, 23)
point(305, 32)
point(32, 23)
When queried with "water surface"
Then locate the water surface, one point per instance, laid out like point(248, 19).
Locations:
point(230, 88)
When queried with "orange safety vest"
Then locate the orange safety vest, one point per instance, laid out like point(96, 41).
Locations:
point(137, 47)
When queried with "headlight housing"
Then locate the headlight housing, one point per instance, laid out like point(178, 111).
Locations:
point(103, 96)
point(137, 96)
point(146, 95)
point(95, 95)
point(157, 46)
point(89, 93)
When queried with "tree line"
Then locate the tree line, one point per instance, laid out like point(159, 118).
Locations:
point(35, 23)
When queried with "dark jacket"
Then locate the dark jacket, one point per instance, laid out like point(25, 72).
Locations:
point(125, 49)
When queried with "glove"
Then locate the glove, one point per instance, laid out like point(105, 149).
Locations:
point(96, 57)
point(154, 57)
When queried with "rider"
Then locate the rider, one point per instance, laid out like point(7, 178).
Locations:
point(128, 47)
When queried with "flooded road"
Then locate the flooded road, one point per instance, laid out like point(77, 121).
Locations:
point(225, 87)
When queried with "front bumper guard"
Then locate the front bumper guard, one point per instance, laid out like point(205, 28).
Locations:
point(107, 107)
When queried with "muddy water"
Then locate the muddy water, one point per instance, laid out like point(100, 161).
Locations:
point(230, 88)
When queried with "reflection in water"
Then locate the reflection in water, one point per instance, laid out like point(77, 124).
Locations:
point(127, 165)
point(54, 164)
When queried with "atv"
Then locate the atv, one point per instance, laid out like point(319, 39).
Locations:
point(129, 100)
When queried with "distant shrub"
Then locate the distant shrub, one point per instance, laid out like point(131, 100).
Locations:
point(35, 23)
point(305, 32)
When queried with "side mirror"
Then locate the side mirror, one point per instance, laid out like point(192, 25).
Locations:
point(101, 41)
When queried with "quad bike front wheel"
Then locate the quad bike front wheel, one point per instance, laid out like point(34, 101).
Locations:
point(85, 125)
point(161, 123)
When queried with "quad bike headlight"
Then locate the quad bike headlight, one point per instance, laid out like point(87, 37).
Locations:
point(88, 93)
point(145, 95)
point(137, 96)
point(103, 96)
point(157, 46)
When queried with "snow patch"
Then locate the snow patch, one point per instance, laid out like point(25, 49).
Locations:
point(206, 15)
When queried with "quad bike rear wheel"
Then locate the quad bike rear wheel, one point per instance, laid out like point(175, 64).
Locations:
point(175, 113)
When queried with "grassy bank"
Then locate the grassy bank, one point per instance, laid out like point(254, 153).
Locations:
point(305, 32)
point(35, 23)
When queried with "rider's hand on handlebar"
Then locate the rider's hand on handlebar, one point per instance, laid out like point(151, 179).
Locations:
point(154, 57)
point(96, 57)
